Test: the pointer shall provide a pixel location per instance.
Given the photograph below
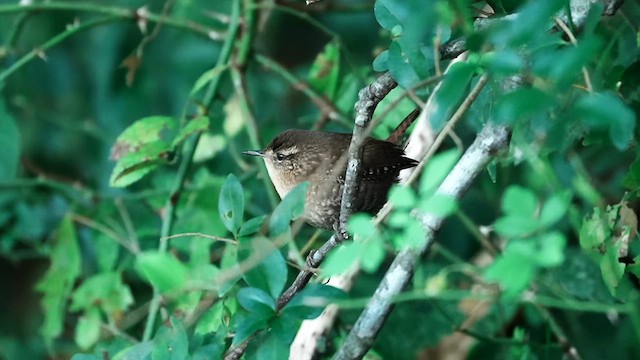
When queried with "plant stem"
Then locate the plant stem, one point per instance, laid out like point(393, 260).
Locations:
point(187, 158)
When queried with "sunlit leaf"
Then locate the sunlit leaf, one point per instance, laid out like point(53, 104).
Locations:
point(134, 165)
point(519, 201)
point(198, 124)
point(144, 131)
point(162, 270)
point(323, 75)
point(402, 197)
point(438, 167)
point(341, 259)
point(88, 329)
point(555, 208)
point(105, 291)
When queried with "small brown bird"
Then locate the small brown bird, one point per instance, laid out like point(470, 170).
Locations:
point(320, 157)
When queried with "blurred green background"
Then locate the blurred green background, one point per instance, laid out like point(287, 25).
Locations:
point(61, 113)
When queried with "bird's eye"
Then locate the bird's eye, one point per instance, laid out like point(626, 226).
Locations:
point(280, 156)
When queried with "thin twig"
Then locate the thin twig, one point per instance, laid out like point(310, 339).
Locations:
point(448, 127)
point(327, 108)
point(128, 224)
point(572, 38)
point(118, 12)
point(212, 237)
point(189, 149)
point(110, 233)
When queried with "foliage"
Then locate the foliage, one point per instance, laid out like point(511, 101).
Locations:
point(131, 226)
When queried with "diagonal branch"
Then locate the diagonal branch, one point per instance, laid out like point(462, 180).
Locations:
point(487, 145)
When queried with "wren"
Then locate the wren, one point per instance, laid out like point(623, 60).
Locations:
point(320, 158)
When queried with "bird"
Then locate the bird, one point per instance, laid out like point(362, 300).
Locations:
point(320, 157)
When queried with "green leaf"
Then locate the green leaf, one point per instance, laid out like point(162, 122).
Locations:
point(608, 110)
point(439, 205)
point(143, 132)
point(134, 165)
point(323, 75)
point(207, 77)
point(58, 281)
point(507, 61)
point(555, 208)
point(437, 170)
point(10, 140)
point(519, 201)
point(402, 197)
point(563, 65)
point(551, 248)
point(290, 208)
point(139, 351)
point(171, 342)
point(348, 93)
point(594, 231)
point(246, 324)
point(526, 27)
point(252, 226)
point(256, 301)
point(162, 270)
point(341, 259)
point(311, 301)
point(198, 124)
point(231, 204)
point(88, 329)
point(512, 270)
point(407, 68)
point(213, 347)
point(105, 291)
point(612, 269)
point(521, 103)
point(381, 62)
point(229, 262)
point(270, 270)
point(413, 235)
point(373, 254)
point(452, 90)
point(270, 345)
point(512, 226)
point(361, 225)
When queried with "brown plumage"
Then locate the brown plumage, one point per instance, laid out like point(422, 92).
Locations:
point(320, 157)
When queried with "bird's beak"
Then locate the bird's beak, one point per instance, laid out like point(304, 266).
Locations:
point(254, 153)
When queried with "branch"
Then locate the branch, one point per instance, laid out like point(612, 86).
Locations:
point(327, 108)
point(118, 12)
point(369, 98)
point(189, 149)
point(486, 146)
point(579, 11)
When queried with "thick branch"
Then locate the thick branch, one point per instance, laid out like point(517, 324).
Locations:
point(487, 145)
